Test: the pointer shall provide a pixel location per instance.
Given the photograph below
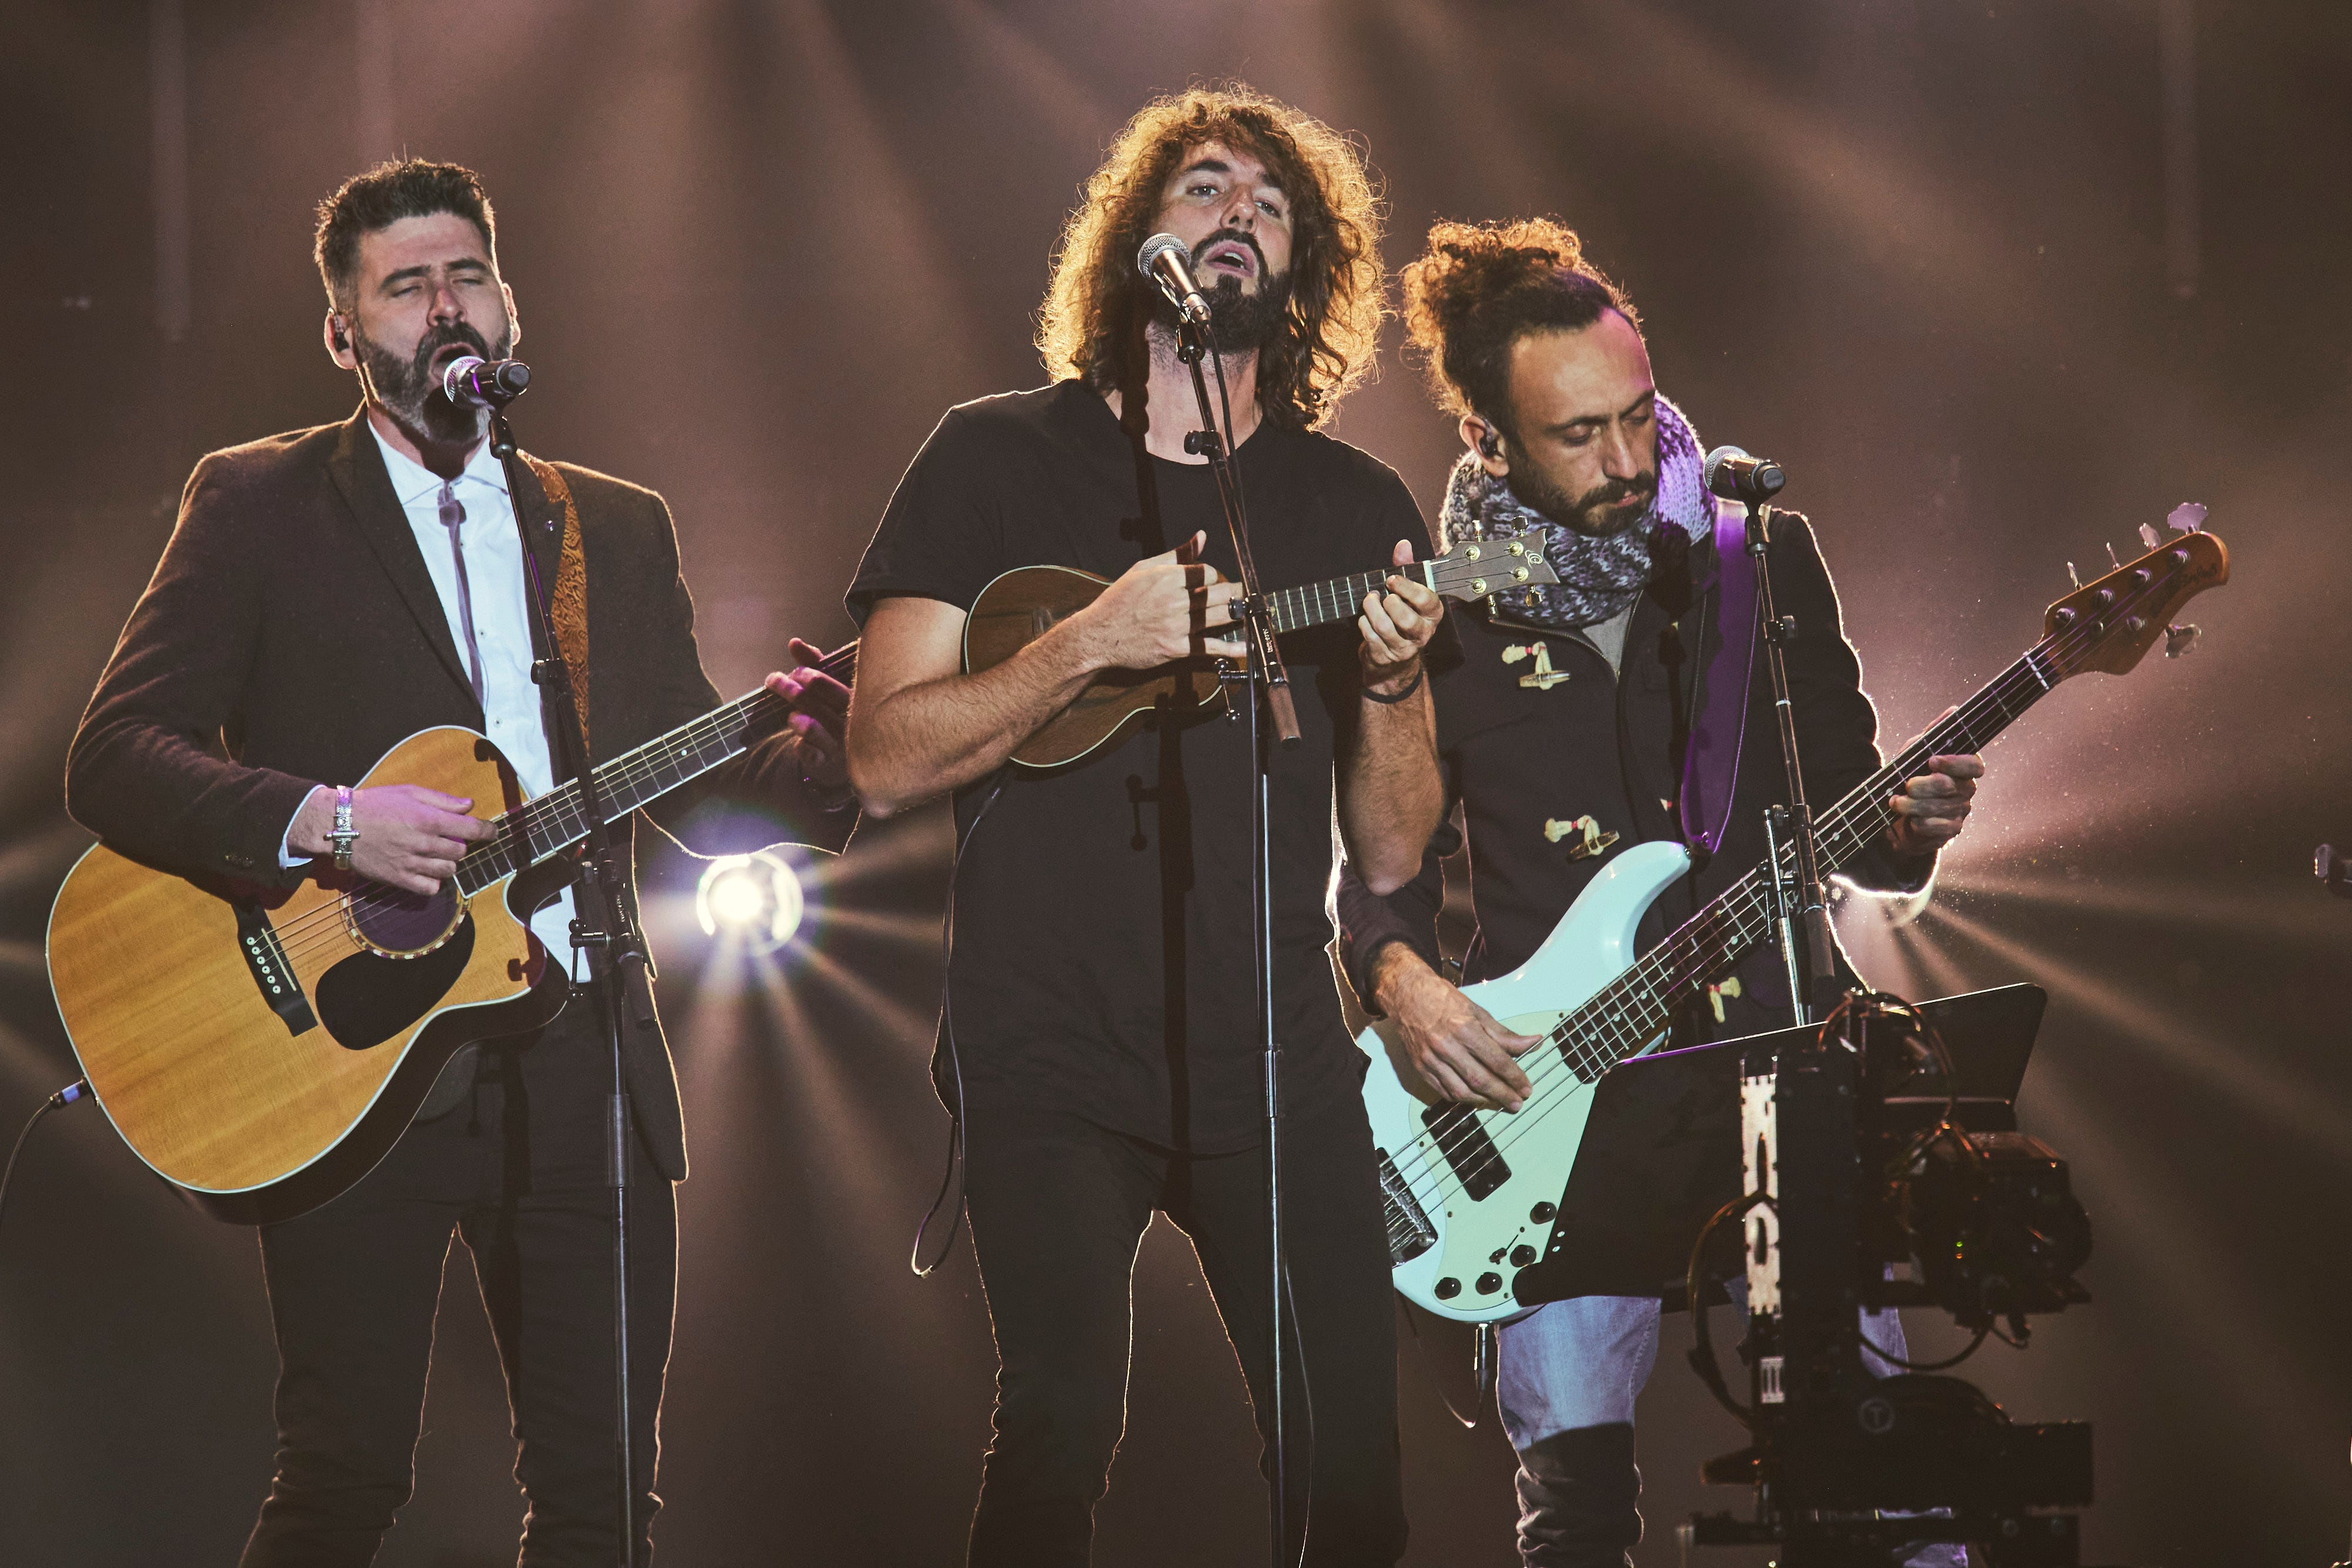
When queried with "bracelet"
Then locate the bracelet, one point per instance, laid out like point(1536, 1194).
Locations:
point(1410, 686)
point(344, 835)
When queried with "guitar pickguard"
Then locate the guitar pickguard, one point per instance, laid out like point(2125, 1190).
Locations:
point(367, 998)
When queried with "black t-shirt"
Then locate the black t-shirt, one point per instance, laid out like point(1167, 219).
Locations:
point(1102, 958)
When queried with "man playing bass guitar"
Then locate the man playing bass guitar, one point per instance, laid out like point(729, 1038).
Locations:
point(1562, 729)
point(326, 594)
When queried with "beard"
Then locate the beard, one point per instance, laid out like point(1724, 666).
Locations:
point(1585, 514)
point(1241, 322)
point(409, 390)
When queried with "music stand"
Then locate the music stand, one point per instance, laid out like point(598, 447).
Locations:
point(1661, 1152)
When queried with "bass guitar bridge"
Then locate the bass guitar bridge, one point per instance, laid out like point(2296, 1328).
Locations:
point(1410, 1232)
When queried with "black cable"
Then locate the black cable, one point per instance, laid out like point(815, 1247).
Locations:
point(1701, 1355)
point(77, 1089)
point(950, 1180)
point(1484, 1358)
point(1893, 1360)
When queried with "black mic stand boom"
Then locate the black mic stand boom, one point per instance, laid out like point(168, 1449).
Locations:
point(1264, 673)
point(603, 925)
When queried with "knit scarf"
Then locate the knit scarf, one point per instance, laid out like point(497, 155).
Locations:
point(1598, 578)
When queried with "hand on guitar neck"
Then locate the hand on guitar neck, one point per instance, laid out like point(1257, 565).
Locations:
point(410, 837)
point(1932, 807)
point(819, 715)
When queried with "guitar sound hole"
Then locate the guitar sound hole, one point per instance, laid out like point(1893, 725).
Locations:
point(398, 922)
point(367, 998)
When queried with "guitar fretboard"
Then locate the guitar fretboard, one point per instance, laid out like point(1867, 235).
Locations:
point(552, 822)
point(1320, 604)
point(1635, 1009)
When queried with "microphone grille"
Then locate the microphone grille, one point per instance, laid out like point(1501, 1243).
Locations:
point(1714, 460)
point(458, 369)
point(1155, 247)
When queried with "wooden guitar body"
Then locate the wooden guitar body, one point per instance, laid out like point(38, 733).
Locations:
point(1021, 606)
point(261, 1102)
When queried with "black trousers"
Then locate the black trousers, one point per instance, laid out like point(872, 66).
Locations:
point(1058, 1206)
point(517, 1171)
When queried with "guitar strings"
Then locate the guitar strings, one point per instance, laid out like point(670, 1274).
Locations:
point(559, 810)
point(1667, 969)
point(1702, 935)
point(550, 811)
point(1610, 1026)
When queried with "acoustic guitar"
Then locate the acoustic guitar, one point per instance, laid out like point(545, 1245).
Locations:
point(1024, 604)
point(261, 1048)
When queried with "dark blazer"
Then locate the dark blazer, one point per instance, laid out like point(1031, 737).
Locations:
point(291, 635)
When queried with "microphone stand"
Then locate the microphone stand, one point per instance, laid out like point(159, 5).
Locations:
point(1801, 904)
point(1264, 673)
point(604, 924)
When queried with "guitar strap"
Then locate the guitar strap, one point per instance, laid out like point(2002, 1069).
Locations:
point(568, 610)
point(1711, 761)
point(567, 606)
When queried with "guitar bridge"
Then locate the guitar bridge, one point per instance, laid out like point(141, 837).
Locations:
point(266, 960)
point(1410, 1231)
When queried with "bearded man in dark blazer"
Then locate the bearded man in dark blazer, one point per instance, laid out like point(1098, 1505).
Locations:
point(326, 594)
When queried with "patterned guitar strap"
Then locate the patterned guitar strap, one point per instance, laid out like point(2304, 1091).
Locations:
point(568, 605)
point(568, 610)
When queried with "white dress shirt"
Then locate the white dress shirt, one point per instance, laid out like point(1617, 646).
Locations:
point(494, 578)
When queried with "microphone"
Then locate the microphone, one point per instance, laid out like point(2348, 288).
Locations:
point(1168, 261)
point(1735, 476)
point(472, 382)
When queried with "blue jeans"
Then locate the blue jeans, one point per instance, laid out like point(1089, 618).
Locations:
point(1569, 1374)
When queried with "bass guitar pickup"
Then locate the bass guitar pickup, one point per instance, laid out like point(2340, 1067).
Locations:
point(1477, 1164)
point(265, 959)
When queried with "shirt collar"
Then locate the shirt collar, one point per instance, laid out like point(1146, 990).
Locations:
point(413, 482)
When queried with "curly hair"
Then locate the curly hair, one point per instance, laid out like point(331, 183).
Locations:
point(382, 197)
point(1479, 288)
point(1092, 324)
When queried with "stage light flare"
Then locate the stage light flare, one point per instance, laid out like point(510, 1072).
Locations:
point(756, 899)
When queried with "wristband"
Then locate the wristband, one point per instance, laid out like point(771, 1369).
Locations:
point(1410, 686)
point(344, 835)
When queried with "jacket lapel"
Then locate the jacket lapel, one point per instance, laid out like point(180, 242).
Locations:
point(357, 469)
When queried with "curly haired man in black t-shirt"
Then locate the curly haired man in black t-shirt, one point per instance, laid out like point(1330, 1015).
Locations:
point(1104, 1046)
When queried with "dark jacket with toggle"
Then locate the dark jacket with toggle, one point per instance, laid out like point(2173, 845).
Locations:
point(1559, 765)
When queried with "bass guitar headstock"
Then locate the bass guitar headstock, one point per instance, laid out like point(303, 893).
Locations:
point(1473, 569)
point(2109, 624)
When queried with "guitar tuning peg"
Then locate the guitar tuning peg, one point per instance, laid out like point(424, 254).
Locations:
point(2072, 576)
point(2187, 518)
point(2110, 558)
point(2180, 640)
point(2149, 537)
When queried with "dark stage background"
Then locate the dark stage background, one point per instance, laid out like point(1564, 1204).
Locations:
point(1997, 282)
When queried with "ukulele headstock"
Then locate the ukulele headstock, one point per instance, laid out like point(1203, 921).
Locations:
point(1473, 569)
point(2110, 624)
